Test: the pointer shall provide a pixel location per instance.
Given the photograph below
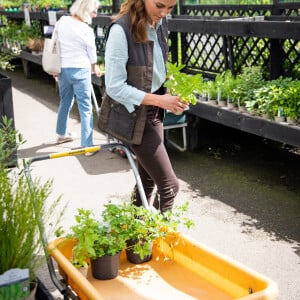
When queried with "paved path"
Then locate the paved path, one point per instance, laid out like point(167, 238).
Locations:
point(244, 208)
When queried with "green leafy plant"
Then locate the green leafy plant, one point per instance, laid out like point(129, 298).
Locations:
point(250, 79)
point(22, 207)
point(261, 102)
point(16, 35)
point(226, 83)
point(292, 95)
point(5, 59)
point(95, 238)
point(143, 226)
point(118, 224)
point(12, 3)
point(212, 90)
point(84, 234)
point(181, 84)
point(10, 141)
point(276, 96)
point(51, 3)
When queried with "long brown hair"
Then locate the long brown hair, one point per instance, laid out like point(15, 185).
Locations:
point(138, 18)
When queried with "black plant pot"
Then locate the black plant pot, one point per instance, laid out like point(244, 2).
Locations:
point(133, 257)
point(6, 108)
point(106, 267)
point(6, 102)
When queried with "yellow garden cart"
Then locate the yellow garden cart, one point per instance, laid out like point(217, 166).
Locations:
point(188, 271)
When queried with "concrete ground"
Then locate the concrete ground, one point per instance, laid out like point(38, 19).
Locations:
point(244, 205)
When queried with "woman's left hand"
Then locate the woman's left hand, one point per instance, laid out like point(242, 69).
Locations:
point(173, 103)
point(96, 70)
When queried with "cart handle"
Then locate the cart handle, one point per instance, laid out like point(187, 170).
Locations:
point(63, 287)
point(80, 151)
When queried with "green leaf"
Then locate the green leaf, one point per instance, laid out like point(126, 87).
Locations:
point(181, 84)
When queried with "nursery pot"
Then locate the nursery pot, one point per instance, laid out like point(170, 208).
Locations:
point(106, 267)
point(136, 258)
point(6, 108)
point(83, 271)
point(279, 119)
point(6, 100)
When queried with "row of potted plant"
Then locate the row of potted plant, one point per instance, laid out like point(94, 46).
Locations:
point(248, 91)
point(18, 36)
point(277, 99)
point(18, 5)
point(100, 239)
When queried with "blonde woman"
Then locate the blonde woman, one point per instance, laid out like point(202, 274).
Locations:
point(78, 60)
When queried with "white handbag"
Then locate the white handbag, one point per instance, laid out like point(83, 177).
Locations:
point(51, 54)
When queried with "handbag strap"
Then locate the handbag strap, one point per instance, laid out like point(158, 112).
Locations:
point(55, 32)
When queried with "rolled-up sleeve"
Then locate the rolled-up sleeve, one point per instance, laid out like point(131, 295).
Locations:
point(116, 57)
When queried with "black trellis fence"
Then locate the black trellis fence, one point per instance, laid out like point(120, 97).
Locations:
point(213, 38)
point(210, 39)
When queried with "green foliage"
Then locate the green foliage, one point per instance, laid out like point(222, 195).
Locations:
point(11, 3)
point(51, 3)
point(95, 238)
point(120, 223)
point(248, 80)
point(85, 235)
point(36, 3)
point(226, 83)
point(292, 97)
point(181, 84)
point(212, 90)
point(5, 59)
point(10, 141)
point(14, 33)
point(22, 207)
point(282, 94)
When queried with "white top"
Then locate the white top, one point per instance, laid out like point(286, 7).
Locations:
point(77, 43)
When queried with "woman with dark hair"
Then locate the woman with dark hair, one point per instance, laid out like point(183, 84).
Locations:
point(135, 57)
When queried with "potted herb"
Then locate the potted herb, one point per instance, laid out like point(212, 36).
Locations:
point(121, 227)
point(143, 226)
point(292, 107)
point(247, 82)
point(222, 82)
point(182, 84)
point(100, 240)
point(140, 227)
point(229, 84)
point(83, 234)
point(212, 92)
point(23, 208)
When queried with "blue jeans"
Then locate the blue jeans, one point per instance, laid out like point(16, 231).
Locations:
point(76, 82)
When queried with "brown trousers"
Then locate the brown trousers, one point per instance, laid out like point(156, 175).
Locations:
point(154, 164)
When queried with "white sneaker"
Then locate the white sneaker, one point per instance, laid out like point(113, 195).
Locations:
point(68, 137)
point(88, 154)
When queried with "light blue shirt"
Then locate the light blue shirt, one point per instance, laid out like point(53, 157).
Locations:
point(116, 57)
